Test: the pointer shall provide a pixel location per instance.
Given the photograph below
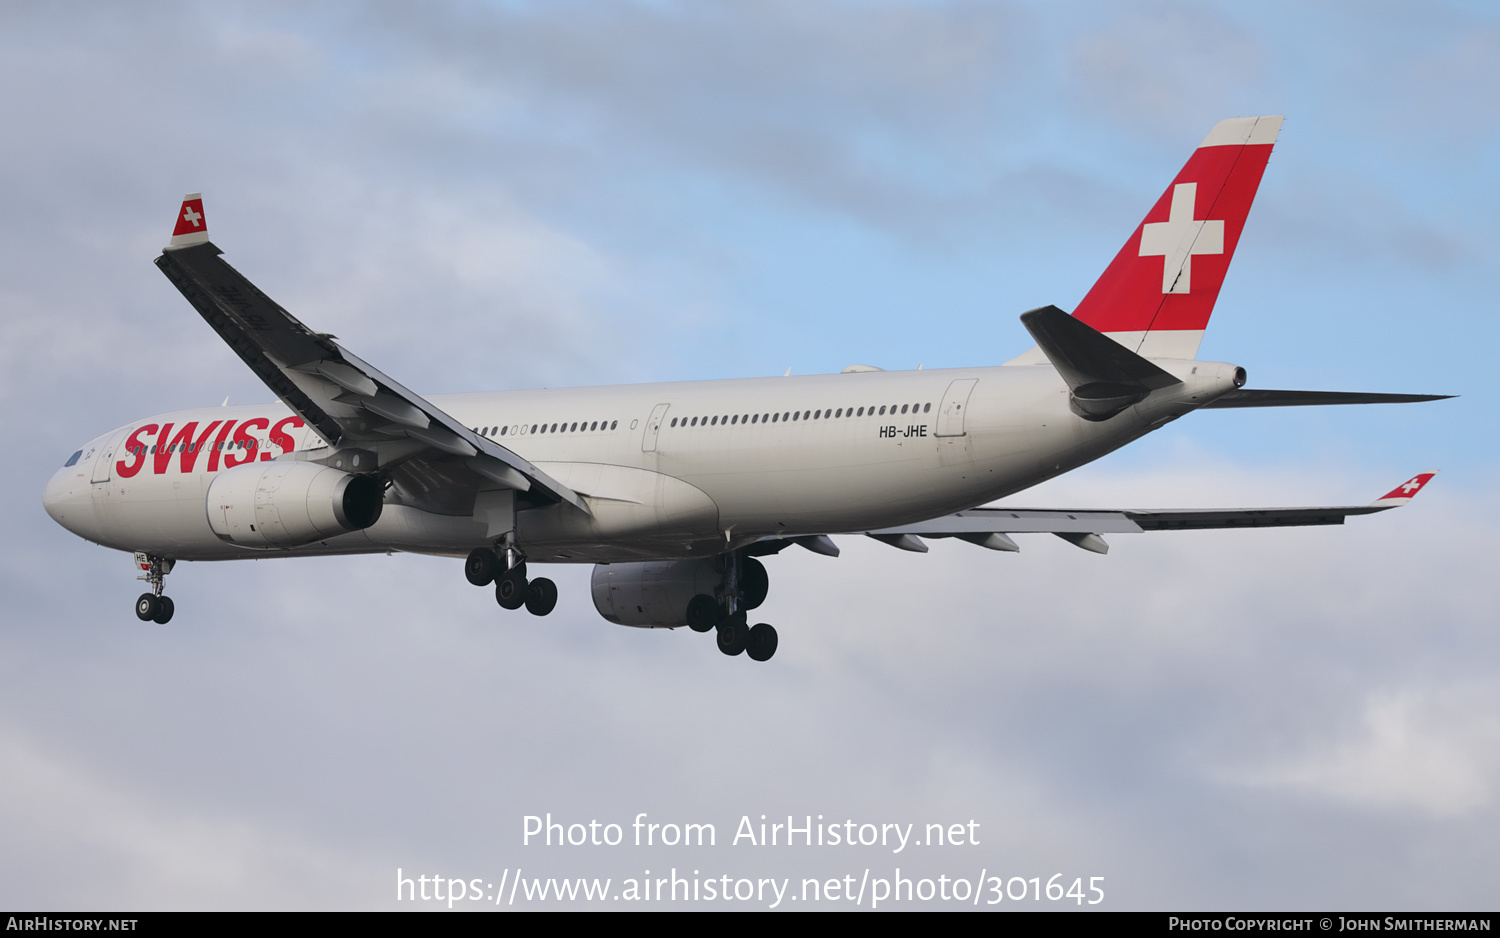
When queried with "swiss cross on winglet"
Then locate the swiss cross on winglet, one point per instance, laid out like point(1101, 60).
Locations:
point(192, 227)
point(1403, 493)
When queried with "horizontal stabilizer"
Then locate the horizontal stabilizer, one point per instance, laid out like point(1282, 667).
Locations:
point(1104, 376)
point(1258, 397)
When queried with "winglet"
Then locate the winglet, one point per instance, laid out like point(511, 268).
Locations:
point(1403, 493)
point(192, 227)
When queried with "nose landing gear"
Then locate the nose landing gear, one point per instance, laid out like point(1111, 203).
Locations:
point(154, 606)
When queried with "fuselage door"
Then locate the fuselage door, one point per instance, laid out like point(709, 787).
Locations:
point(104, 466)
point(653, 428)
point(955, 402)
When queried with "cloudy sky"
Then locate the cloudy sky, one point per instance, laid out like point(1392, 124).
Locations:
point(508, 195)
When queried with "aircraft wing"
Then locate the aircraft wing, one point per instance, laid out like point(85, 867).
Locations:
point(436, 461)
point(991, 527)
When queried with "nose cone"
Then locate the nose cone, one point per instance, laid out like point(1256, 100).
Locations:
point(69, 499)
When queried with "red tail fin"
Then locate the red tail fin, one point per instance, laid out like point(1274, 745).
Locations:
point(192, 227)
point(1156, 296)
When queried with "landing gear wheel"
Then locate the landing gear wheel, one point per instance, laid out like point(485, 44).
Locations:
point(761, 643)
point(704, 613)
point(754, 583)
point(541, 596)
point(732, 636)
point(481, 567)
point(510, 589)
point(164, 609)
point(147, 607)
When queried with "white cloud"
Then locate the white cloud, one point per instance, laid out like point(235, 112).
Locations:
point(129, 850)
point(1432, 750)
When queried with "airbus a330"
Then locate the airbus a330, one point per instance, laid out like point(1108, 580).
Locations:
point(675, 491)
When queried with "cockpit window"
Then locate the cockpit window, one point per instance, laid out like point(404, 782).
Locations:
point(73, 459)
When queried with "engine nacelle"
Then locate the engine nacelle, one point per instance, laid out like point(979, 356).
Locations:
point(655, 595)
point(288, 504)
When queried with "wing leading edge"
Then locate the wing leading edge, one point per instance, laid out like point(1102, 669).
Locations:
point(355, 408)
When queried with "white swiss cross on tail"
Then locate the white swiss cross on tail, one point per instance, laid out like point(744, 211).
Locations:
point(1178, 238)
point(192, 227)
point(1152, 298)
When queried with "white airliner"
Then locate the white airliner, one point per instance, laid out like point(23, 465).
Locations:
point(674, 490)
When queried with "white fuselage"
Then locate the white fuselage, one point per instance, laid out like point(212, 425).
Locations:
point(667, 470)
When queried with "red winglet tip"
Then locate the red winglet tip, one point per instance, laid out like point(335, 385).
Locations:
point(1404, 492)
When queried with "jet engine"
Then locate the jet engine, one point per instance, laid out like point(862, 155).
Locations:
point(288, 504)
point(657, 594)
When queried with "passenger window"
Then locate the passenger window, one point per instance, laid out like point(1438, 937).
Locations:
point(926, 408)
point(715, 421)
point(595, 425)
point(903, 408)
point(775, 418)
point(502, 431)
point(882, 410)
point(613, 424)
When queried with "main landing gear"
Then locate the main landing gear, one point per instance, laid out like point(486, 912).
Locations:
point(154, 606)
point(745, 587)
point(512, 589)
point(758, 642)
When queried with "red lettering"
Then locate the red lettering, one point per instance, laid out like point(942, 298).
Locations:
point(243, 438)
point(137, 450)
point(182, 444)
point(283, 439)
point(161, 453)
point(213, 456)
point(191, 451)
